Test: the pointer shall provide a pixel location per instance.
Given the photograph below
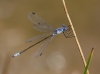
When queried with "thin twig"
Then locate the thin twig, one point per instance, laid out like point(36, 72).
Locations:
point(78, 44)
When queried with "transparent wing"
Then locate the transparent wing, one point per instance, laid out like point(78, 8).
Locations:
point(36, 37)
point(43, 47)
point(39, 23)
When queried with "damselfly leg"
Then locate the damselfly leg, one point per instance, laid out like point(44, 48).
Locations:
point(68, 33)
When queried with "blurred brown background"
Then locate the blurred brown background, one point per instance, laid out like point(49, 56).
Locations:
point(62, 55)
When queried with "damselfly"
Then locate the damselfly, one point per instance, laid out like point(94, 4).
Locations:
point(41, 25)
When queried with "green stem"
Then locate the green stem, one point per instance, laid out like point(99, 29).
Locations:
point(89, 60)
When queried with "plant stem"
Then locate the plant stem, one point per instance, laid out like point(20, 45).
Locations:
point(89, 60)
point(78, 44)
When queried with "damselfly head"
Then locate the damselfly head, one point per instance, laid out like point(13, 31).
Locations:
point(64, 27)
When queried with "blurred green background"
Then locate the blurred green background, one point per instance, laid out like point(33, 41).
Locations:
point(62, 55)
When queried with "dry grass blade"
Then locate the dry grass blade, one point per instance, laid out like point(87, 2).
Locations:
point(78, 44)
